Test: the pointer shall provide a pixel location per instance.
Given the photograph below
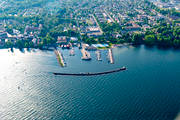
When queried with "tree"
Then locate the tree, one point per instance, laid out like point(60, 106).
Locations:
point(19, 44)
point(176, 43)
point(102, 39)
point(150, 40)
point(48, 40)
point(9, 44)
point(9, 29)
point(91, 41)
point(137, 39)
point(127, 37)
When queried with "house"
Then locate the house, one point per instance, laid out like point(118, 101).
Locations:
point(132, 28)
point(32, 29)
point(2, 43)
point(93, 32)
point(62, 40)
point(3, 35)
point(74, 39)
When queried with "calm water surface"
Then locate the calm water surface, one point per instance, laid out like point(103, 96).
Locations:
point(148, 90)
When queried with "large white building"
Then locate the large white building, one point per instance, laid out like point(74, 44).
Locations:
point(175, 1)
point(171, 4)
point(176, 4)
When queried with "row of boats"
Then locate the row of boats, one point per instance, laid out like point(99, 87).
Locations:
point(86, 55)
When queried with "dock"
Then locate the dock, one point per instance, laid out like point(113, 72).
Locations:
point(91, 74)
point(59, 57)
point(98, 53)
point(110, 55)
point(85, 55)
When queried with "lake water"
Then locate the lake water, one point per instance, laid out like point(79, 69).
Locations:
point(148, 90)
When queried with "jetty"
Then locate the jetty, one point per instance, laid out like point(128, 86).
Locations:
point(85, 55)
point(98, 53)
point(91, 74)
point(110, 55)
point(59, 57)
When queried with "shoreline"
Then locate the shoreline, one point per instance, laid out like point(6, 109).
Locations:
point(103, 48)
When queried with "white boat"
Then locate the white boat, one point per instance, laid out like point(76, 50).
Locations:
point(71, 52)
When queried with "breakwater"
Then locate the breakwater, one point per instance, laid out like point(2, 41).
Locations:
point(59, 57)
point(91, 74)
point(110, 55)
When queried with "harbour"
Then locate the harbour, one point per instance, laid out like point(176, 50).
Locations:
point(89, 59)
point(86, 54)
point(37, 93)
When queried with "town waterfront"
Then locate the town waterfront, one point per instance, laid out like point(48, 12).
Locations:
point(148, 90)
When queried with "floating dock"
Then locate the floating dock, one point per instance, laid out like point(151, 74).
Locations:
point(85, 55)
point(98, 53)
point(59, 57)
point(91, 74)
point(110, 55)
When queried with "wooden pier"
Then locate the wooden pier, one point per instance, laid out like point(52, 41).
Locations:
point(98, 53)
point(59, 57)
point(110, 55)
